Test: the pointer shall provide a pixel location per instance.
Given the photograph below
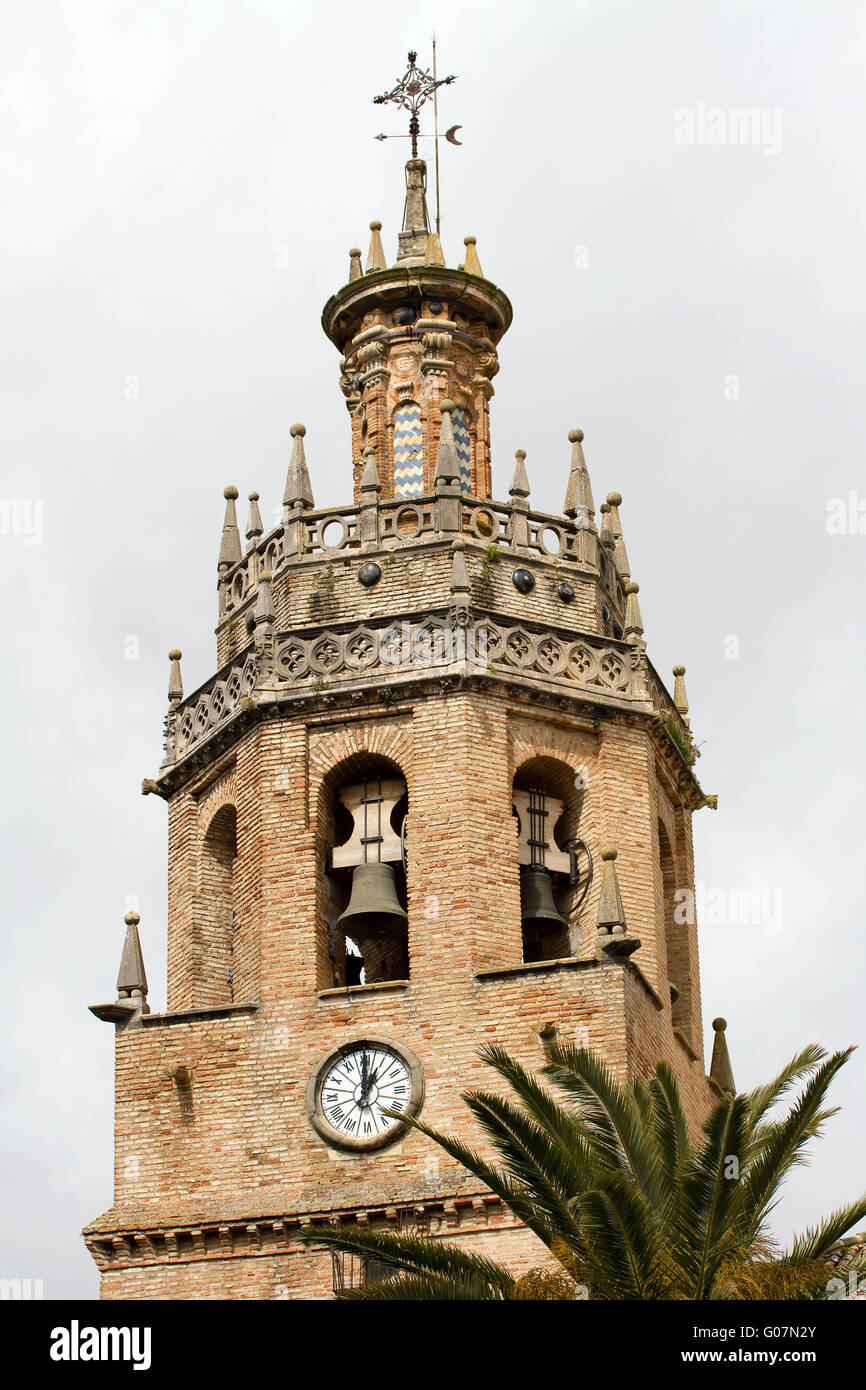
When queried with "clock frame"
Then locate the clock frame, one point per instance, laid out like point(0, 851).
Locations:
point(317, 1108)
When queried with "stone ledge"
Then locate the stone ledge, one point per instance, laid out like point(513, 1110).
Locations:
point(379, 987)
point(193, 1015)
point(506, 972)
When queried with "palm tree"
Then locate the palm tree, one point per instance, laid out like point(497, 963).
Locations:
point(628, 1204)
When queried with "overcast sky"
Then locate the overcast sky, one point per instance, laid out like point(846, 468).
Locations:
point(181, 184)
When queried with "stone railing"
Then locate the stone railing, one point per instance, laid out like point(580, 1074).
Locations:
point(378, 653)
point(334, 531)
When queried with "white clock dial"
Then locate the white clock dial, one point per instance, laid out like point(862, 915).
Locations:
point(355, 1091)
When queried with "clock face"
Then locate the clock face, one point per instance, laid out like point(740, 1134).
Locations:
point(353, 1088)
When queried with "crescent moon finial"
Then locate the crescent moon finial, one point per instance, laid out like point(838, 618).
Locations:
point(451, 137)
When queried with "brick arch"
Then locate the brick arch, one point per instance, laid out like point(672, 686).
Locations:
point(222, 792)
point(338, 758)
point(215, 924)
point(552, 758)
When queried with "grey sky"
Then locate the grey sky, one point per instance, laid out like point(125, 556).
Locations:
point(159, 163)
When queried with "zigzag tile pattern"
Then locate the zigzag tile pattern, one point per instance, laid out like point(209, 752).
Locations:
point(408, 452)
point(461, 440)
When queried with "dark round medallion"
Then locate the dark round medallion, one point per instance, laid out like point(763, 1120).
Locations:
point(403, 317)
point(565, 591)
point(369, 574)
point(434, 307)
point(523, 581)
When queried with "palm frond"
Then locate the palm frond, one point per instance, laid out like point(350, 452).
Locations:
point(710, 1193)
point(422, 1288)
point(818, 1240)
point(413, 1254)
point(785, 1141)
point(611, 1113)
point(763, 1098)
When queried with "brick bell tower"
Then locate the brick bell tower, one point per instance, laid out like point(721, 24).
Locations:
point(434, 796)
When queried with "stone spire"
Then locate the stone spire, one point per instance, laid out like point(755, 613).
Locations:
point(355, 268)
point(612, 934)
point(605, 534)
point(131, 979)
point(416, 219)
point(460, 587)
point(299, 492)
point(376, 254)
point(578, 494)
point(720, 1067)
point(680, 697)
point(175, 684)
point(447, 462)
point(614, 502)
point(611, 915)
point(471, 264)
point(518, 526)
point(447, 481)
point(371, 487)
point(230, 544)
point(633, 619)
point(254, 521)
point(433, 254)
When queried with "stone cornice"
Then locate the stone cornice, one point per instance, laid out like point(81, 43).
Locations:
point(116, 1242)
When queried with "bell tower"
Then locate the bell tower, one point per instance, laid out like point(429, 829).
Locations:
point(434, 795)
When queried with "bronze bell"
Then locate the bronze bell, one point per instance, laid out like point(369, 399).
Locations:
point(374, 908)
point(537, 908)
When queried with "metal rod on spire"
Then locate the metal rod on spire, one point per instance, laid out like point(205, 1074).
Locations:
point(436, 132)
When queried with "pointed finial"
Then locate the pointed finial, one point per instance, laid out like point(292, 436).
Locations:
point(264, 599)
point(230, 544)
point(578, 494)
point(376, 254)
point(447, 462)
point(175, 684)
point(633, 619)
point(131, 979)
point(355, 269)
point(370, 476)
point(433, 254)
point(459, 572)
point(299, 492)
point(614, 501)
point(519, 481)
point(611, 917)
point(720, 1066)
point(605, 534)
point(254, 521)
point(471, 265)
point(680, 698)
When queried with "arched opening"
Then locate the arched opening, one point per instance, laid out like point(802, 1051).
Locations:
point(548, 801)
point(216, 914)
point(676, 942)
point(362, 919)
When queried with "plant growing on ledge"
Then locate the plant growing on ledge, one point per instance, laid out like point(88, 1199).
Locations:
point(686, 747)
point(491, 557)
point(320, 684)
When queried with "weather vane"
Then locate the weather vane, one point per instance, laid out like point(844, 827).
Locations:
point(416, 86)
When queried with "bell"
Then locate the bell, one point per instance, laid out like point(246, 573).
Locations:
point(374, 909)
point(537, 908)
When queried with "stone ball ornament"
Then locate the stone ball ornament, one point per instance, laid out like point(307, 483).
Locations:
point(565, 591)
point(369, 574)
point(523, 581)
